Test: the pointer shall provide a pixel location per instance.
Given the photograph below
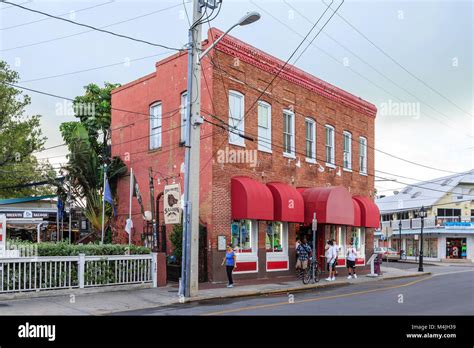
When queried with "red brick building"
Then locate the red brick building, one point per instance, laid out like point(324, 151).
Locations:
point(312, 151)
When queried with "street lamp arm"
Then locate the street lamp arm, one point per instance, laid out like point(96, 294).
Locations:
point(203, 54)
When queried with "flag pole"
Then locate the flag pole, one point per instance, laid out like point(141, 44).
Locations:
point(130, 205)
point(103, 202)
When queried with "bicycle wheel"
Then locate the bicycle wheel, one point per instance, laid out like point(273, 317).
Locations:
point(317, 274)
point(307, 275)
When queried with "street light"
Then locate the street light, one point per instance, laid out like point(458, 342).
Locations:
point(249, 18)
point(422, 215)
point(400, 237)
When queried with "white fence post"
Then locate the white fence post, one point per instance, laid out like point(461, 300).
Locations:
point(80, 269)
point(154, 270)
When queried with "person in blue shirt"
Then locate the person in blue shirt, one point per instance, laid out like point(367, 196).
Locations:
point(230, 264)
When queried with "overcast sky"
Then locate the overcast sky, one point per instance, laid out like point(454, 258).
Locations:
point(431, 39)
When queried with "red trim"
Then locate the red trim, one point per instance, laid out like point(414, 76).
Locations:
point(288, 204)
point(341, 262)
point(360, 261)
point(273, 265)
point(333, 205)
point(369, 212)
point(250, 199)
point(246, 266)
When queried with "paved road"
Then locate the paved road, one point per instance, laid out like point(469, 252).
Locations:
point(449, 291)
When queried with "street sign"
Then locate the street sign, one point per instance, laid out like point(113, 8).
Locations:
point(172, 204)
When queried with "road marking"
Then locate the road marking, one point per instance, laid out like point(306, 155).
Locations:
point(316, 299)
point(455, 272)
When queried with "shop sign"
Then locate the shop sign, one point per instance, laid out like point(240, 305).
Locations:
point(456, 225)
point(172, 204)
point(27, 214)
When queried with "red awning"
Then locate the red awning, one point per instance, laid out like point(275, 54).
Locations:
point(288, 203)
point(369, 212)
point(250, 199)
point(357, 220)
point(333, 205)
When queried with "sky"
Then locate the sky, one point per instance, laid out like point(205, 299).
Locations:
point(422, 85)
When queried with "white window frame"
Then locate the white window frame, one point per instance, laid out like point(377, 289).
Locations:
point(283, 255)
point(265, 133)
point(237, 124)
point(332, 146)
point(345, 151)
point(184, 111)
point(155, 126)
point(363, 155)
point(292, 134)
point(313, 145)
point(253, 237)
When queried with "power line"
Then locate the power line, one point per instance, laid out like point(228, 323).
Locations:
point(339, 132)
point(399, 64)
point(60, 15)
point(21, 3)
point(99, 29)
point(336, 60)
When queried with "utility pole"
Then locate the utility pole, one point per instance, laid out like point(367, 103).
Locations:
point(189, 270)
point(69, 202)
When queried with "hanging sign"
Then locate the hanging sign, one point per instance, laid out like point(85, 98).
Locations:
point(172, 204)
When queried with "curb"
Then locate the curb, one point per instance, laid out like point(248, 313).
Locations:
point(294, 289)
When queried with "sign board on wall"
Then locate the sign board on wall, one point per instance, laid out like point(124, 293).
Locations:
point(172, 204)
point(221, 243)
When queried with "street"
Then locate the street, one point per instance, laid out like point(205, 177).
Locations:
point(448, 291)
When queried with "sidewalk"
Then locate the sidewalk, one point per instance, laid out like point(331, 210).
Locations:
point(117, 299)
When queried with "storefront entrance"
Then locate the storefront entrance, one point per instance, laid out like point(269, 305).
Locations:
point(456, 248)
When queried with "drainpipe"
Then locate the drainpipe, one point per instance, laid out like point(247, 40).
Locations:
point(157, 215)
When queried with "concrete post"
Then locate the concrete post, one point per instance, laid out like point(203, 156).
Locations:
point(154, 269)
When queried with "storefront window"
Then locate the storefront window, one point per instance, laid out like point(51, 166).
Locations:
point(430, 247)
point(412, 247)
point(456, 248)
point(274, 237)
point(357, 235)
point(242, 235)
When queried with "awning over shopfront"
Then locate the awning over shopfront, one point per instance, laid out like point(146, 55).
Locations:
point(369, 212)
point(250, 199)
point(357, 217)
point(333, 205)
point(288, 203)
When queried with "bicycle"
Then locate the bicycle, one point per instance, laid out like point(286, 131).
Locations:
point(311, 273)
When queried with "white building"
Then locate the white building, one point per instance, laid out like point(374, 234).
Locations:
point(448, 232)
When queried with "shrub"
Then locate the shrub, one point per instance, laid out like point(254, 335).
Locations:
point(66, 249)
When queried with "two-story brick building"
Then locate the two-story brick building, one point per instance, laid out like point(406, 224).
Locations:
point(296, 147)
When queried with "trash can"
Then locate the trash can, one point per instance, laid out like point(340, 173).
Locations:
point(377, 263)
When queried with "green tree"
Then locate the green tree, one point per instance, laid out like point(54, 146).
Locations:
point(87, 141)
point(20, 138)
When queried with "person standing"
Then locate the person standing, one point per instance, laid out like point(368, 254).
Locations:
point(303, 253)
point(331, 259)
point(230, 264)
point(351, 259)
point(336, 248)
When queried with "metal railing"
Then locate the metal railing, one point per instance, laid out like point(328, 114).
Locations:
point(67, 272)
point(415, 223)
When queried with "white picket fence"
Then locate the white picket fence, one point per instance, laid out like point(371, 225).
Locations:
point(66, 272)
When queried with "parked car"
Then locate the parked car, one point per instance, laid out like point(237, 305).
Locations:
point(387, 253)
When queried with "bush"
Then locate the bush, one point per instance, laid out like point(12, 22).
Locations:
point(176, 239)
point(66, 249)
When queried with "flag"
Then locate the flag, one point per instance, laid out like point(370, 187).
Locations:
point(108, 196)
point(136, 193)
point(129, 226)
point(60, 206)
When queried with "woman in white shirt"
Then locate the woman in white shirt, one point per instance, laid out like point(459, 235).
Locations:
point(350, 260)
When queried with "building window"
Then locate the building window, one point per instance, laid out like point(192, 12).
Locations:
point(275, 240)
point(387, 217)
point(264, 126)
point(155, 126)
point(289, 133)
point(330, 150)
point(430, 247)
point(404, 215)
point(310, 140)
point(184, 114)
point(244, 236)
point(363, 155)
point(357, 236)
point(449, 212)
point(347, 150)
point(236, 118)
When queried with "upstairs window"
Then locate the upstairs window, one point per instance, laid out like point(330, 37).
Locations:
point(330, 149)
point(310, 140)
point(288, 133)
point(363, 155)
point(264, 126)
point(236, 118)
point(155, 126)
point(347, 151)
point(184, 114)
